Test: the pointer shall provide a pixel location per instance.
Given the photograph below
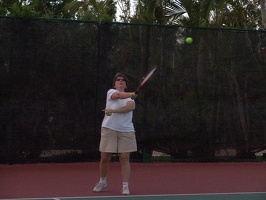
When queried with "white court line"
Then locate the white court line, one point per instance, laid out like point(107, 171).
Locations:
point(132, 196)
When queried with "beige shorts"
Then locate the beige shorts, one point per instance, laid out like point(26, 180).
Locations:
point(117, 142)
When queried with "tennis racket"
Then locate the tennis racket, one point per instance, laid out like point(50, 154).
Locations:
point(145, 79)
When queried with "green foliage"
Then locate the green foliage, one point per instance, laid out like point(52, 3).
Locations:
point(241, 14)
point(17, 10)
point(34, 8)
point(92, 10)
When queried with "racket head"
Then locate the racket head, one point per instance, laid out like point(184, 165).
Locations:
point(145, 79)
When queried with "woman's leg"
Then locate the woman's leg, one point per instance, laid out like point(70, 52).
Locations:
point(104, 163)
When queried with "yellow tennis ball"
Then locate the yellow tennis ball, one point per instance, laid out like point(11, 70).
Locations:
point(189, 40)
point(109, 114)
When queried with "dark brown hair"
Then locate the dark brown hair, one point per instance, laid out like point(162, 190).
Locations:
point(119, 74)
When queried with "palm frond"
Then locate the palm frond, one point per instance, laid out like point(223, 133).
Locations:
point(74, 6)
point(174, 8)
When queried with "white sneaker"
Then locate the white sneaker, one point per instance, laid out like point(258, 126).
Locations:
point(125, 190)
point(99, 186)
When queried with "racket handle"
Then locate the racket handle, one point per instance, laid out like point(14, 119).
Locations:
point(137, 90)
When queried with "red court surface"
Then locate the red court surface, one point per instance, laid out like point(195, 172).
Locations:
point(78, 179)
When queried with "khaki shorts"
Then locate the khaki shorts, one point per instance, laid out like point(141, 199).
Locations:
point(117, 142)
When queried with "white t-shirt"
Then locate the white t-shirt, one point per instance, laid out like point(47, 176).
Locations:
point(118, 121)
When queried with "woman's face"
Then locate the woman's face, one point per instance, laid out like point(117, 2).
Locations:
point(120, 83)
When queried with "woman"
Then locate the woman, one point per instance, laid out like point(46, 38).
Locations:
point(117, 132)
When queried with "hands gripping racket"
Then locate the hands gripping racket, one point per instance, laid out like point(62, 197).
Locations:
point(145, 79)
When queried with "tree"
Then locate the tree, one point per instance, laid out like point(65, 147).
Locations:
point(50, 8)
point(244, 14)
point(125, 7)
point(101, 11)
point(157, 11)
point(263, 12)
point(34, 8)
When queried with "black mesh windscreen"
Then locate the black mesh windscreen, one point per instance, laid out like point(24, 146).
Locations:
point(207, 100)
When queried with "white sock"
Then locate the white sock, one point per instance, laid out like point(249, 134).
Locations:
point(103, 180)
point(125, 184)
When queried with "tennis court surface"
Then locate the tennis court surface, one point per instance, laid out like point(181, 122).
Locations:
point(236, 196)
point(183, 181)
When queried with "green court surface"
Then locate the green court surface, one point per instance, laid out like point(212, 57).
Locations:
point(231, 196)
